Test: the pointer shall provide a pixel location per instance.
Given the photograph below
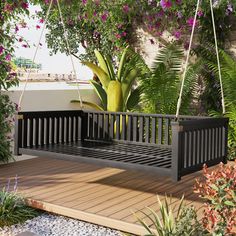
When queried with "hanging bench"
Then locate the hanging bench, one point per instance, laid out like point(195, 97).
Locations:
point(153, 143)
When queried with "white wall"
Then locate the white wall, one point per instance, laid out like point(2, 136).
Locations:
point(41, 100)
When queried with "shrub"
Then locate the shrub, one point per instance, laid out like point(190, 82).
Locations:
point(13, 209)
point(219, 189)
point(6, 116)
point(183, 222)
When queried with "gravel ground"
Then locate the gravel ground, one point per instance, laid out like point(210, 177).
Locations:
point(52, 225)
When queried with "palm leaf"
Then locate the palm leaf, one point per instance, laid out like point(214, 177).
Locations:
point(100, 92)
point(133, 99)
point(90, 104)
point(101, 74)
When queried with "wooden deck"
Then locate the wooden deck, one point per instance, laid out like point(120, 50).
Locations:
point(104, 196)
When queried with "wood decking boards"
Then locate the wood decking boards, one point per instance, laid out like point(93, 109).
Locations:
point(100, 195)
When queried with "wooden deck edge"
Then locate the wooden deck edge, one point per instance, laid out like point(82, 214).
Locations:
point(88, 217)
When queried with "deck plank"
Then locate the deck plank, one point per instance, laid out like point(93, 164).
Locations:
point(100, 195)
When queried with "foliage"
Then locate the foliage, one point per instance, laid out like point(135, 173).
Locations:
point(172, 222)
point(219, 189)
point(115, 90)
point(109, 25)
point(6, 118)
point(228, 69)
point(13, 209)
point(161, 87)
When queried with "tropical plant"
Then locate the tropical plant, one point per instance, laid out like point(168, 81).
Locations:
point(228, 70)
point(161, 88)
point(172, 222)
point(218, 187)
point(116, 89)
point(13, 209)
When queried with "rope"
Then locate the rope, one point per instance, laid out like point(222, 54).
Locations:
point(218, 59)
point(33, 60)
point(69, 51)
point(187, 61)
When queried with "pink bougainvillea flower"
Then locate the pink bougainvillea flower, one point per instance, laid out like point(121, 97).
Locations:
point(177, 34)
point(118, 36)
point(38, 27)
point(84, 2)
point(20, 39)
point(41, 21)
point(25, 5)
point(126, 8)
point(165, 4)
point(124, 34)
point(16, 29)
point(8, 8)
point(1, 50)
point(104, 16)
point(190, 21)
point(200, 13)
point(24, 45)
point(179, 14)
point(8, 57)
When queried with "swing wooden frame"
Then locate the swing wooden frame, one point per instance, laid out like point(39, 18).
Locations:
point(170, 145)
point(144, 142)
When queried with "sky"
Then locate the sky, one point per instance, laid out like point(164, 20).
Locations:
point(56, 64)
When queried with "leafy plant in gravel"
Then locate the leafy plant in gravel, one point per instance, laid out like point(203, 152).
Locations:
point(219, 189)
point(172, 222)
point(13, 209)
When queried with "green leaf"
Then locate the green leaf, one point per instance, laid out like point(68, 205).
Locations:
point(101, 74)
point(133, 99)
point(127, 83)
point(229, 203)
point(121, 64)
point(102, 62)
point(110, 67)
point(90, 104)
point(100, 92)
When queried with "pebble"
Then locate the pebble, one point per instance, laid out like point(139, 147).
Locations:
point(53, 225)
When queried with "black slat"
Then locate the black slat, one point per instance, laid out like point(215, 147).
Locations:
point(147, 129)
point(47, 130)
point(31, 132)
point(72, 129)
point(111, 131)
point(123, 126)
point(141, 129)
point(117, 127)
point(167, 131)
point(62, 129)
point(36, 131)
point(160, 130)
point(153, 130)
point(42, 128)
point(57, 129)
point(52, 130)
point(129, 128)
point(135, 128)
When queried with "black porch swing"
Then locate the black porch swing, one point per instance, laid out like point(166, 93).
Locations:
point(171, 145)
